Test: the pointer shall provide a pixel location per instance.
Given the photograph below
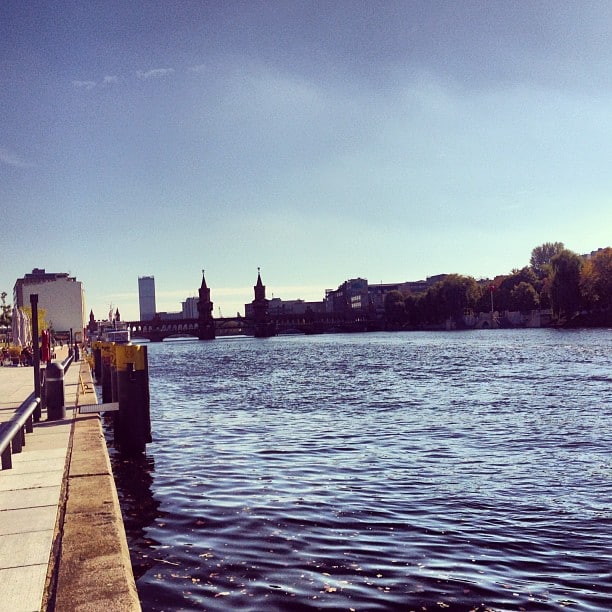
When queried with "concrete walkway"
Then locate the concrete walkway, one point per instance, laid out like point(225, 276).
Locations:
point(52, 555)
point(30, 493)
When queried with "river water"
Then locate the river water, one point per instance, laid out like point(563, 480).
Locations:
point(406, 471)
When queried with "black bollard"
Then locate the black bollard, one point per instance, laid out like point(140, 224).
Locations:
point(132, 421)
point(113, 376)
point(54, 392)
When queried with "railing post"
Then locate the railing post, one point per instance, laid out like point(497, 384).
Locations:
point(7, 458)
point(13, 432)
point(29, 426)
point(18, 441)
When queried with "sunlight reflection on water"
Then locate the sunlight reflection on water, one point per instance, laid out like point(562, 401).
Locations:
point(376, 472)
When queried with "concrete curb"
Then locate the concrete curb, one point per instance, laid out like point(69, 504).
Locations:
point(92, 570)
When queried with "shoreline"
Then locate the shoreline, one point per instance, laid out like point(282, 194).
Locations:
point(91, 568)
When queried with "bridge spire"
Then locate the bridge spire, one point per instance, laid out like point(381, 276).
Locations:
point(206, 324)
point(263, 326)
point(260, 288)
point(92, 325)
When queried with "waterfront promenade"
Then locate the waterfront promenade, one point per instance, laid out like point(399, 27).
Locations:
point(62, 541)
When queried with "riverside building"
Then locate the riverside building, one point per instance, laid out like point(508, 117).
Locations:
point(60, 296)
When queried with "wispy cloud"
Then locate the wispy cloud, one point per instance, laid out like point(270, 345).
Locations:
point(108, 79)
point(12, 159)
point(87, 85)
point(155, 73)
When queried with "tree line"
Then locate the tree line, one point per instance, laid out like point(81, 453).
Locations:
point(556, 278)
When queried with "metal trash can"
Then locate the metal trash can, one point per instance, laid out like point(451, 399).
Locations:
point(54, 392)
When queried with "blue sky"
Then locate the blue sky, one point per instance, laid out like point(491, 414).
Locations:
point(320, 141)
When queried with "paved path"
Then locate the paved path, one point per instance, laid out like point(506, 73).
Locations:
point(30, 493)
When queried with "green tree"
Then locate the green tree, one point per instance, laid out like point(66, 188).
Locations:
point(565, 283)
point(413, 305)
point(503, 295)
point(6, 310)
point(395, 311)
point(431, 305)
point(541, 257)
point(42, 314)
point(524, 297)
point(596, 280)
point(454, 295)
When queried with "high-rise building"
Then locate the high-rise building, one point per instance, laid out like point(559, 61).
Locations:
point(190, 308)
point(146, 297)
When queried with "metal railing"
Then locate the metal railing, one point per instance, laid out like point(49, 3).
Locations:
point(66, 363)
point(12, 433)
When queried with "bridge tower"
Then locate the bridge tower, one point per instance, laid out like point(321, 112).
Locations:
point(92, 326)
point(264, 328)
point(206, 324)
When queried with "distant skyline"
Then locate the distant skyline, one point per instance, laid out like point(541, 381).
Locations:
point(321, 141)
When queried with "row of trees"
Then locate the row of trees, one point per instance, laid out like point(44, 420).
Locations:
point(5, 311)
point(556, 278)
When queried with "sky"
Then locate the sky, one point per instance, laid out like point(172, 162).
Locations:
point(318, 141)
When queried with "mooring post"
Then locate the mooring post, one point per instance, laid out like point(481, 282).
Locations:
point(107, 350)
point(132, 421)
point(113, 374)
point(96, 348)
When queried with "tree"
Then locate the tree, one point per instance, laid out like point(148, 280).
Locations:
point(565, 283)
point(541, 257)
point(596, 280)
point(455, 294)
point(5, 314)
point(395, 311)
point(431, 304)
point(503, 296)
point(42, 313)
point(524, 297)
point(483, 303)
point(413, 305)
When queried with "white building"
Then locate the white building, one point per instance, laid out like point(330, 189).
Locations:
point(60, 296)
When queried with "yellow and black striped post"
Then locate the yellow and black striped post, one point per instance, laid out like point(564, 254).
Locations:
point(106, 355)
point(96, 349)
point(132, 421)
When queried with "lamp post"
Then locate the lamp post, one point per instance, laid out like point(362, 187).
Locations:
point(36, 351)
point(491, 290)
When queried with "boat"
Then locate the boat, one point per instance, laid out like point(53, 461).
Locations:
point(116, 331)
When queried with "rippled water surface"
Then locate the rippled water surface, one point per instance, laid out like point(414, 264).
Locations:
point(417, 471)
